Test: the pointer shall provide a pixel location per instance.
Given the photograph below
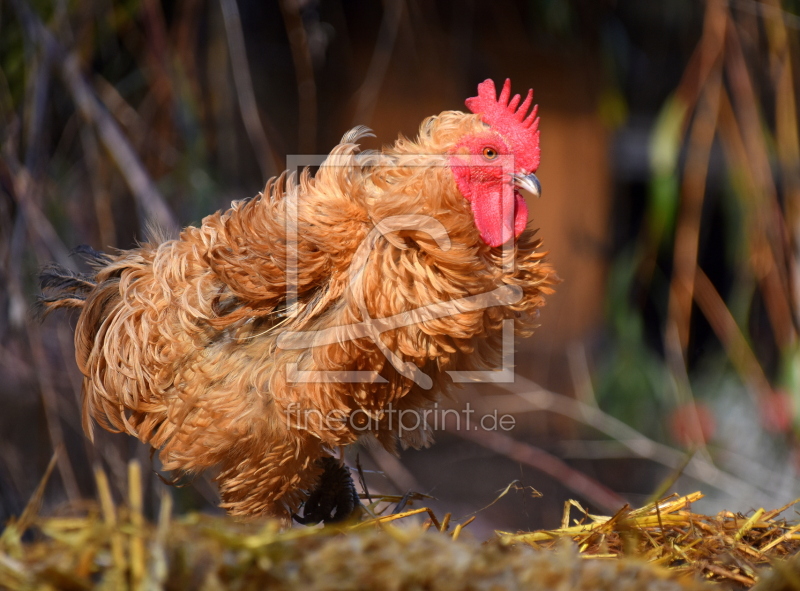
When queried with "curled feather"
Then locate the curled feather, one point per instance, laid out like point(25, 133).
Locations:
point(178, 339)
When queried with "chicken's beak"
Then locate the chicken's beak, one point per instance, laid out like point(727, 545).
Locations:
point(529, 183)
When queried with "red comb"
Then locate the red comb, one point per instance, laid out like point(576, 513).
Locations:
point(511, 122)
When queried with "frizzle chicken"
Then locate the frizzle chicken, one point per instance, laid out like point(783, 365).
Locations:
point(286, 327)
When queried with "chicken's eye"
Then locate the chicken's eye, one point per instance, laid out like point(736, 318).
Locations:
point(489, 153)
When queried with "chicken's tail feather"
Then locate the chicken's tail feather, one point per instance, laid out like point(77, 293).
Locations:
point(64, 288)
point(95, 258)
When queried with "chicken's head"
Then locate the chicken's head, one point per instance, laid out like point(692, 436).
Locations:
point(491, 166)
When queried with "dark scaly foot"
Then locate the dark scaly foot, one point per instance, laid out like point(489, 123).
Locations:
point(334, 498)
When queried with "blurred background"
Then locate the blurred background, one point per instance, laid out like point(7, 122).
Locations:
point(667, 360)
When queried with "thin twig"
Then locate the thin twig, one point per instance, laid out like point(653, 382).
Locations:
point(687, 231)
point(156, 51)
point(537, 458)
point(394, 470)
point(137, 555)
point(31, 510)
point(304, 72)
point(52, 416)
point(769, 235)
point(387, 35)
point(40, 80)
point(362, 479)
point(23, 188)
point(762, 259)
point(766, 11)
point(152, 206)
point(698, 468)
point(96, 170)
point(724, 326)
point(244, 89)
point(787, 137)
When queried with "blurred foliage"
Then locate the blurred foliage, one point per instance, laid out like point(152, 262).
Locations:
point(704, 282)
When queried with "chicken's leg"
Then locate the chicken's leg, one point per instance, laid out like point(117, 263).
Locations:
point(334, 498)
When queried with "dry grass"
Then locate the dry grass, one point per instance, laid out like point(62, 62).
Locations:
point(727, 547)
point(663, 545)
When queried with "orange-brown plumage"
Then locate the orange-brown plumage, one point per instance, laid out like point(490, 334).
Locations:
point(178, 340)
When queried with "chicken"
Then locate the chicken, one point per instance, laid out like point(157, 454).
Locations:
point(275, 333)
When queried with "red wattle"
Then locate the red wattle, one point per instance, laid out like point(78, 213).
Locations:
point(499, 215)
point(520, 213)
